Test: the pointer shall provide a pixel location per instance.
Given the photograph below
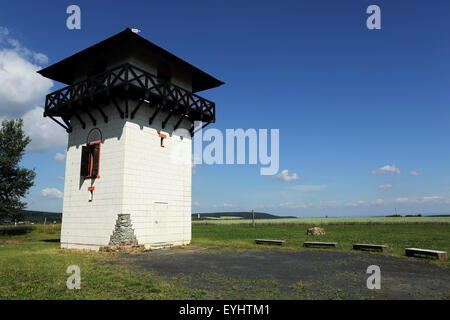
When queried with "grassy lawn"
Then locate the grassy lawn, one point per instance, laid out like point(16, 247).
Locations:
point(397, 236)
point(325, 221)
point(33, 267)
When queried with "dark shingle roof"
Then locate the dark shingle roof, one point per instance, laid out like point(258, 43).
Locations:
point(125, 43)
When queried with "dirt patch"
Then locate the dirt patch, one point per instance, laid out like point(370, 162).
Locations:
point(10, 241)
point(277, 274)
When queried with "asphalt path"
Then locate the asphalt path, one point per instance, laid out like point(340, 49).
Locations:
point(287, 274)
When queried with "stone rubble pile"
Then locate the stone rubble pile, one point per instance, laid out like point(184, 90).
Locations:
point(316, 231)
point(123, 238)
point(124, 247)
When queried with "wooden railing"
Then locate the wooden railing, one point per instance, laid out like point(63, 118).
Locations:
point(136, 83)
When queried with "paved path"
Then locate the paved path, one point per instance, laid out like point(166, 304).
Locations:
point(283, 274)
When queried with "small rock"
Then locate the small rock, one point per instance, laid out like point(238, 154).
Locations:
point(316, 231)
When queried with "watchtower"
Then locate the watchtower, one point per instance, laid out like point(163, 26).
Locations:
point(129, 110)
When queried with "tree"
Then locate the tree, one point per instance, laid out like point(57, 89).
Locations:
point(14, 180)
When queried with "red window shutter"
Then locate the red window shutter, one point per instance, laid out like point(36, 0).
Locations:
point(85, 165)
point(95, 152)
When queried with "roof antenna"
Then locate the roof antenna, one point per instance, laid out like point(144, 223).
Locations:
point(135, 30)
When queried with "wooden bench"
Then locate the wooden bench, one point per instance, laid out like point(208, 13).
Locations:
point(436, 253)
point(320, 244)
point(365, 246)
point(273, 242)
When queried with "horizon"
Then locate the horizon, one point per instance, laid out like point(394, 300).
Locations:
point(362, 216)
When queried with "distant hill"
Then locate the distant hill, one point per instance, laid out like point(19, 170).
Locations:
point(419, 215)
point(438, 215)
point(231, 215)
point(39, 216)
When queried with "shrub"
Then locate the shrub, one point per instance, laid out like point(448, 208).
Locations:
point(15, 230)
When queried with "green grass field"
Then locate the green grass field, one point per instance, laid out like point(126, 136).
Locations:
point(397, 236)
point(33, 267)
point(325, 221)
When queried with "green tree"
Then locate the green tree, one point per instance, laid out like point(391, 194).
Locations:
point(15, 181)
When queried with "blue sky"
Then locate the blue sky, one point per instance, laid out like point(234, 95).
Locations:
point(347, 100)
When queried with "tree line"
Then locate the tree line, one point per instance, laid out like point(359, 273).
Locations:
point(15, 180)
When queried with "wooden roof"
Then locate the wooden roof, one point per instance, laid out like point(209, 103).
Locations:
point(124, 44)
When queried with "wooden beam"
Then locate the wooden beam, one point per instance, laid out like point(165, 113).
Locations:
point(117, 107)
point(192, 128)
point(67, 129)
point(136, 108)
point(83, 124)
point(94, 121)
point(178, 123)
point(127, 88)
point(150, 121)
point(67, 122)
point(167, 119)
point(105, 117)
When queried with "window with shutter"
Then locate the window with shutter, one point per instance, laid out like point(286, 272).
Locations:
point(90, 161)
point(85, 163)
point(95, 156)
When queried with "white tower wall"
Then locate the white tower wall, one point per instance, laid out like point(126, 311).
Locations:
point(136, 176)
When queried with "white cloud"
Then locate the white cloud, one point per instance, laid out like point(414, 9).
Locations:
point(321, 204)
point(284, 175)
point(386, 169)
point(60, 178)
point(21, 87)
point(196, 204)
point(4, 32)
point(385, 186)
point(351, 204)
point(309, 187)
point(44, 132)
point(40, 58)
point(414, 173)
point(293, 205)
point(355, 203)
point(329, 203)
point(377, 204)
point(224, 205)
point(431, 198)
point(23, 90)
point(378, 201)
point(59, 157)
point(52, 193)
point(15, 45)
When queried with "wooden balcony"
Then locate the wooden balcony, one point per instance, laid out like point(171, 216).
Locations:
point(120, 86)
